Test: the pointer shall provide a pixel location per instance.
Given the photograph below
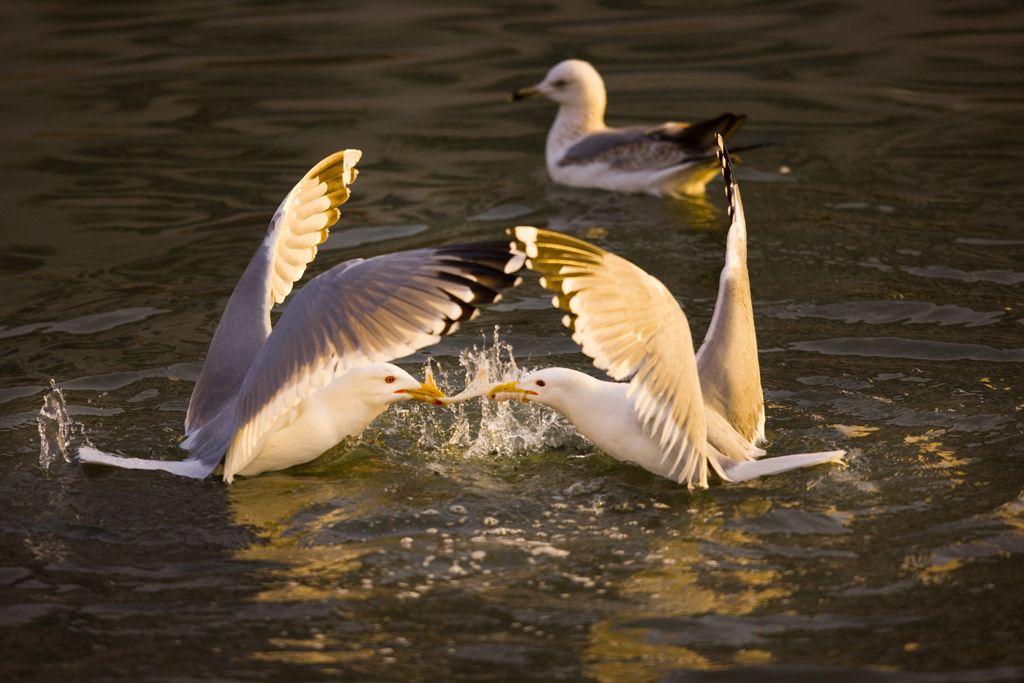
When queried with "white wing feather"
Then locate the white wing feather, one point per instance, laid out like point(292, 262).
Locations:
point(301, 222)
point(727, 361)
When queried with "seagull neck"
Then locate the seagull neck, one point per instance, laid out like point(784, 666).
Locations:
point(353, 410)
point(578, 119)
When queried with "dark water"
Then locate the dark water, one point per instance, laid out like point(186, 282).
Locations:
point(145, 146)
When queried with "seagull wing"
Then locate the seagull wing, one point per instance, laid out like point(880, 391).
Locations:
point(652, 149)
point(730, 375)
point(361, 312)
point(632, 326)
point(299, 225)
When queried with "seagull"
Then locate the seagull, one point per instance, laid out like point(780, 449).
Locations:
point(270, 398)
point(681, 411)
point(671, 159)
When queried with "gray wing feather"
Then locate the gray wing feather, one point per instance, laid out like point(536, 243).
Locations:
point(629, 149)
point(593, 146)
point(641, 148)
point(243, 327)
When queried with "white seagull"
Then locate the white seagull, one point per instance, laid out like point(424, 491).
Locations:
point(681, 411)
point(268, 399)
point(668, 159)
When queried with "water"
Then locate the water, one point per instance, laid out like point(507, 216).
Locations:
point(145, 147)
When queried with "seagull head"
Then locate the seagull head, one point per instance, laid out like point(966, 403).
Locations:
point(385, 383)
point(548, 387)
point(572, 82)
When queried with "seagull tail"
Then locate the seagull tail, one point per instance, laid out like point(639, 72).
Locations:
point(698, 138)
point(744, 471)
point(192, 467)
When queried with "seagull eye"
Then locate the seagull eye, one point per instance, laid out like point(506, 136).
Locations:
point(390, 379)
point(541, 383)
point(560, 83)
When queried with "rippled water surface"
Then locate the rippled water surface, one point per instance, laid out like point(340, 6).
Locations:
point(145, 146)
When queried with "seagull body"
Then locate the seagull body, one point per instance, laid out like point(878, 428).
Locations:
point(270, 398)
point(669, 159)
point(329, 415)
point(681, 411)
point(601, 411)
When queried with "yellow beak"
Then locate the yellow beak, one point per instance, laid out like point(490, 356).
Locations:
point(428, 391)
point(510, 388)
point(524, 93)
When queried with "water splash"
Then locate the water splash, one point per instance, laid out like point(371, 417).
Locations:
point(505, 429)
point(55, 428)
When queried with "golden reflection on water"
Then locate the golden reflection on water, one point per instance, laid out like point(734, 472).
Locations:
point(684, 580)
point(268, 505)
point(946, 563)
point(675, 588)
point(307, 573)
point(696, 566)
point(321, 651)
point(697, 212)
point(625, 655)
point(934, 453)
point(622, 655)
point(854, 431)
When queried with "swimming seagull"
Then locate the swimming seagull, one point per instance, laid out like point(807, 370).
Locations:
point(680, 411)
point(669, 159)
point(267, 399)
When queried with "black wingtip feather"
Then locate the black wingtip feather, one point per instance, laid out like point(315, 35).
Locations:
point(496, 255)
point(728, 174)
point(699, 138)
point(484, 267)
point(466, 312)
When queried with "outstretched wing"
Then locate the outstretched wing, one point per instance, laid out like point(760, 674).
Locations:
point(630, 324)
point(361, 312)
point(299, 225)
point(652, 149)
point(727, 361)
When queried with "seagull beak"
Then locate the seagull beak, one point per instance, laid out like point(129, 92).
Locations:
point(427, 392)
point(524, 93)
point(510, 389)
